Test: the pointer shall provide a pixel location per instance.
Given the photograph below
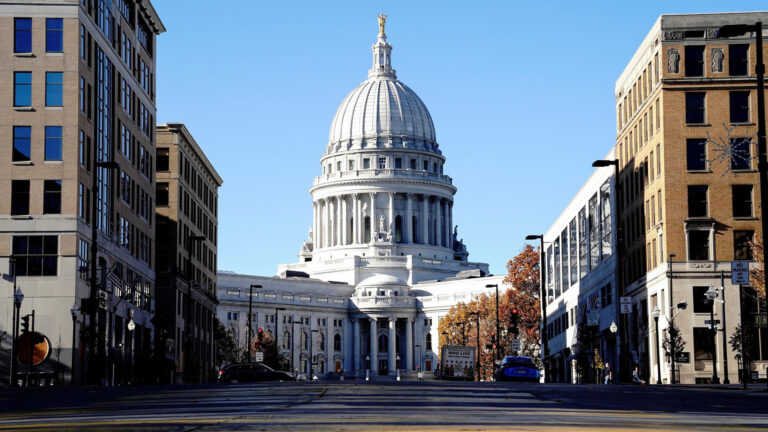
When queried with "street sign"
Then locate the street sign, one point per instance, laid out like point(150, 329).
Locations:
point(515, 345)
point(259, 356)
point(683, 357)
point(761, 320)
point(626, 305)
point(102, 299)
point(740, 272)
point(707, 323)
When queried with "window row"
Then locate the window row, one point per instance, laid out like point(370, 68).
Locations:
point(701, 247)
point(641, 178)
point(698, 201)
point(381, 163)
point(20, 196)
point(23, 140)
point(640, 219)
point(195, 180)
point(695, 63)
point(22, 89)
point(135, 197)
point(134, 239)
point(696, 107)
point(35, 255)
point(639, 92)
point(640, 134)
point(739, 153)
point(196, 214)
point(22, 35)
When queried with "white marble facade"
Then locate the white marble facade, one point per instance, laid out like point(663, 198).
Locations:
point(383, 261)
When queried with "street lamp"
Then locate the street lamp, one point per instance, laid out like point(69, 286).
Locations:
point(477, 362)
point(711, 295)
point(656, 313)
point(18, 297)
point(250, 319)
point(543, 297)
point(496, 341)
point(463, 333)
point(74, 311)
point(623, 336)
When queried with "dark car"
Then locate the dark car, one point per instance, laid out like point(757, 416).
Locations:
point(517, 369)
point(251, 372)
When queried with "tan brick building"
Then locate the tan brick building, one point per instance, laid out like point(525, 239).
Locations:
point(187, 224)
point(688, 187)
point(77, 89)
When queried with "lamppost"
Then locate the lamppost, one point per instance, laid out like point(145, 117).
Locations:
point(671, 310)
point(711, 295)
point(74, 311)
point(250, 319)
point(624, 334)
point(543, 297)
point(656, 313)
point(96, 342)
point(463, 333)
point(18, 297)
point(311, 351)
point(496, 341)
point(277, 332)
point(477, 362)
point(12, 269)
point(293, 345)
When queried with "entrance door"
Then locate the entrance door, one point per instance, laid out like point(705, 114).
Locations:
point(429, 365)
point(338, 366)
point(383, 367)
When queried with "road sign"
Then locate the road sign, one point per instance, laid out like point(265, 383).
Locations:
point(761, 320)
point(707, 323)
point(515, 345)
point(740, 272)
point(259, 356)
point(35, 344)
point(626, 305)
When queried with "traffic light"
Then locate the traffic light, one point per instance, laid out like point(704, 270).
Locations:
point(260, 333)
point(513, 320)
point(25, 324)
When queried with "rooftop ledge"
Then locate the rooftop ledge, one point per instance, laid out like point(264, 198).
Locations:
point(382, 173)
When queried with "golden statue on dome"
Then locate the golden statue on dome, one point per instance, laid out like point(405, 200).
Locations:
point(382, 21)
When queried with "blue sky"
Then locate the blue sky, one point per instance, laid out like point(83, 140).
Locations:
point(521, 94)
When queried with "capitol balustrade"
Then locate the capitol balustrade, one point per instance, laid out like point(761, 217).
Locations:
point(378, 173)
point(409, 261)
point(386, 301)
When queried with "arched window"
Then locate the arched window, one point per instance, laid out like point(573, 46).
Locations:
point(415, 238)
point(429, 341)
point(337, 342)
point(383, 343)
point(304, 341)
point(367, 230)
point(398, 229)
point(320, 342)
point(286, 340)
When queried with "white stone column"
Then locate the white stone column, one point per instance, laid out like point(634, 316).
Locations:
point(314, 224)
point(438, 222)
point(409, 344)
point(449, 205)
point(425, 216)
point(330, 364)
point(355, 219)
point(408, 219)
point(391, 216)
point(392, 346)
point(326, 224)
point(356, 349)
point(374, 354)
point(344, 221)
point(373, 214)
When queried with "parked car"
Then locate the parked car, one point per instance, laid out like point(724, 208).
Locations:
point(251, 372)
point(515, 368)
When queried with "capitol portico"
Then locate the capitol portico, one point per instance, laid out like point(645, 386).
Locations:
point(383, 261)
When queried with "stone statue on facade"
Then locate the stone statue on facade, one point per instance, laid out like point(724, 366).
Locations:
point(673, 61)
point(381, 223)
point(717, 59)
point(310, 235)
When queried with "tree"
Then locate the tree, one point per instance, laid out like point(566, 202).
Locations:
point(756, 273)
point(227, 350)
point(523, 276)
point(673, 345)
point(271, 357)
point(451, 333)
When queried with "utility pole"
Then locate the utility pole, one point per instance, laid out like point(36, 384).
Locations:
point(725, 341)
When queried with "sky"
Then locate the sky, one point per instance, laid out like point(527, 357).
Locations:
point(521, 95)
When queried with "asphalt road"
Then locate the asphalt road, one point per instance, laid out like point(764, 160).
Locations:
point(355, 405)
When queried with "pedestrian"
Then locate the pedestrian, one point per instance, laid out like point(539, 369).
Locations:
point(636, 377)
point(608, 373)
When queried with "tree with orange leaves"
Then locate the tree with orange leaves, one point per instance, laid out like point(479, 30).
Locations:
point(756, 274)
point(523, 275)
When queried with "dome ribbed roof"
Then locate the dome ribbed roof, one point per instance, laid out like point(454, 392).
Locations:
point(382, 107)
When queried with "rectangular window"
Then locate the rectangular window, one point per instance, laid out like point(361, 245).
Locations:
point(20, 197)
point(583, 250)
point(742, 200)
point(703, 345)
point(22, 28)
point(413, 164)
point(82, 94)
point(741, 157)
point(36, 255)
point(162, 163)
point(658, 159)
point(54, 83)
point(82, 41)
point(426, 165)
point(53, 141)
point(696, 154)
point(366, 163)
point(694, 61)
point(697, 201)
point(739, 106)
point(698, 245)
point(695, 107)
point(398, 163)
point(54, 35)
point(742, 249)
point(574, 252)
point(81, 201)
point(738, 60)
point(22, 143)
point(162, 194)
point(22, 89)
point(594, 235)
point(382, 163)
point(565, 251)
point(82, 254)
point(660, 212)
point(52, 197)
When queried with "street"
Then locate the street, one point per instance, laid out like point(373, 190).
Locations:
point(360, 405)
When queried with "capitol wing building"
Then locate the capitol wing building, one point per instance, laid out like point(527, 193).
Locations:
point(383, 261)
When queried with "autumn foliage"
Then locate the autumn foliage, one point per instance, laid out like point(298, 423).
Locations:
point(756, 274)
point(519, 291)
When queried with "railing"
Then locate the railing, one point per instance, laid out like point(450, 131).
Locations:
point(372, 173)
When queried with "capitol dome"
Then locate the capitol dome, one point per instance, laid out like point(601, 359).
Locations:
point(382, 110)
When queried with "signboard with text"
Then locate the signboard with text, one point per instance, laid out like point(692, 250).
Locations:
point(259, 356)
point(515, 345)
point(626, 305)
point(683, 357)
point(740, 272)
